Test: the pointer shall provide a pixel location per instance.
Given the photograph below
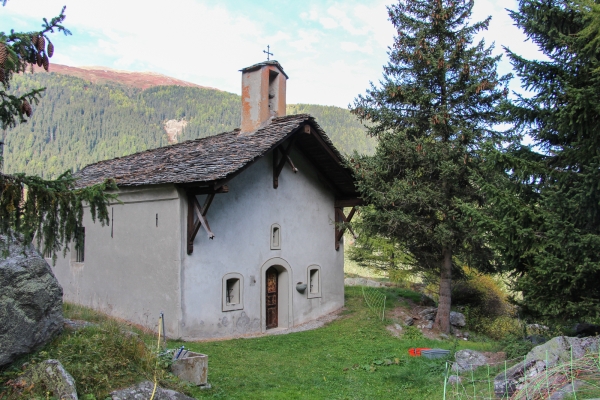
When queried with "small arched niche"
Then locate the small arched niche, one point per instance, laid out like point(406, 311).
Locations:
point(275, 237)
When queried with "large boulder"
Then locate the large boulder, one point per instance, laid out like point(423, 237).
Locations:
point(467, 360)
point(559, 350)
point(52, 376)
point(457, 319)
point(143, 391)
point(30, 300)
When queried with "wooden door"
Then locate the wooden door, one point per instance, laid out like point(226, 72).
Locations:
point(271, 301)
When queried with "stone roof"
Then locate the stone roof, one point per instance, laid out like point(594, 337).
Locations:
point(214, 158)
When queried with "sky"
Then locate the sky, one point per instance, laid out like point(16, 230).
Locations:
point(331, 50)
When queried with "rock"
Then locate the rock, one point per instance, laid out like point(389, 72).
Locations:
point(444, 336)
point(52, 376)
point(584, 329)
point(30, 300)
point(467, 360)
point(428, 325)
point(143, 391)
point(398, 327)
point(567, 391)
point(426, 301)
point(457, 319)
point(536, 339)
point(540, 358)
point(409, 321)
point(76, 324)
point(454, 379)
point(428, 314)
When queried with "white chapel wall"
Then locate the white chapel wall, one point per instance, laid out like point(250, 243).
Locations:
point(135, 274)
point(241, 221)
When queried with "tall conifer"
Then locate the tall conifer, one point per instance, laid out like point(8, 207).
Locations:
point(433, 112)
point(559, 268)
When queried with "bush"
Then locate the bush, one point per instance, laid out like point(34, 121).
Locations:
point(482, 294)
point(515, 346)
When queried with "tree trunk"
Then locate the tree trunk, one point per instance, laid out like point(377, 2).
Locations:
point(442, 320)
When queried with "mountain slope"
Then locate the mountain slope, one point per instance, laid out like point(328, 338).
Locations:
point(78, 122)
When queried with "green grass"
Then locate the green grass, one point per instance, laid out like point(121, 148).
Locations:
point(344, 360)
point(354, 357)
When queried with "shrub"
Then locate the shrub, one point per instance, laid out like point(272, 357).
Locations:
point(515, 346)
point(482, 294)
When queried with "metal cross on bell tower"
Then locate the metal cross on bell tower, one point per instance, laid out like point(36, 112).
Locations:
point(268, 52)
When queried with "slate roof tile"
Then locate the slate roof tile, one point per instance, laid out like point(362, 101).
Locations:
point(200, 160)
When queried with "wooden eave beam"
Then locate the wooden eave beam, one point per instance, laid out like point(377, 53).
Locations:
point(341, 224)
point(348, 202)
point(196, 216)
point(279, 164)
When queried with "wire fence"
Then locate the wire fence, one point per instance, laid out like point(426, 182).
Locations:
point(526, 379)
point(375, 300)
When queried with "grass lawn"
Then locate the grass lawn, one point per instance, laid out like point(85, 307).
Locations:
point(344, 360)
point(354, 357)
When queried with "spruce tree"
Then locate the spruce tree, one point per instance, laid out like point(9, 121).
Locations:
point(50, 210)
point(432, 113)
point(559, 266)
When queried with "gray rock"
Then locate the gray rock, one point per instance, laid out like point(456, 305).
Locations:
point(53, 376)
point(30, 300)
point(454, 380)
point(444, 336)
point(428, 325)
point(567, 390)
point(457, 319)
point(556, 351)
point(467, 360)
point(398, 327)
point(143, 391)
point(428, 314)
point(409, 321)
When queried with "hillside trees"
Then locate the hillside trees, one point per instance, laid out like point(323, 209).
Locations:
point(432, 114)
point(558, 227)
point(51, 210)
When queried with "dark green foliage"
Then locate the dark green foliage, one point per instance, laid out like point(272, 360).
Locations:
point(51, 210)
point(554, 225)
point(78, 123)
point(433, 113)
point(22, 50)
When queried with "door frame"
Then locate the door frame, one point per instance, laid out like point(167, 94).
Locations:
point(284, 295)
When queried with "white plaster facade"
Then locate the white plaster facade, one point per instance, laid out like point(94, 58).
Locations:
point(138, 266)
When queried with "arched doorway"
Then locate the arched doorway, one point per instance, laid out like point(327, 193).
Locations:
point(271, 299)
point(276, 294)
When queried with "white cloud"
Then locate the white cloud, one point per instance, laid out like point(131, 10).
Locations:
point(331, 50)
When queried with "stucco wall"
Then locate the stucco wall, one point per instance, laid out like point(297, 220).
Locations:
point(241, 221)
point(135, 274)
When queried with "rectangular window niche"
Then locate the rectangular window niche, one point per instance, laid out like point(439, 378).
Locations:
point(314, 281)
point(233, 292)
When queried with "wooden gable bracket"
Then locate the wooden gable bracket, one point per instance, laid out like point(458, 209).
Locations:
point(197, 215)
point(341, 223)
point(279, 164)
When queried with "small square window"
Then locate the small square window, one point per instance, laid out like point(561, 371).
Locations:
point(233, 292)
point(314, 281)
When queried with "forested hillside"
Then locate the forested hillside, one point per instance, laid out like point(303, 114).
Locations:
point(78, 122)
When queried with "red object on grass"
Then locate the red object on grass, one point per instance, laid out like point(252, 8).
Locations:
point(416, 351)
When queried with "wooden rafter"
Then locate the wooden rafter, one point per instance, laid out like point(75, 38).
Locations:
point(196, 218)
point(285, 158)
point(342, 223)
